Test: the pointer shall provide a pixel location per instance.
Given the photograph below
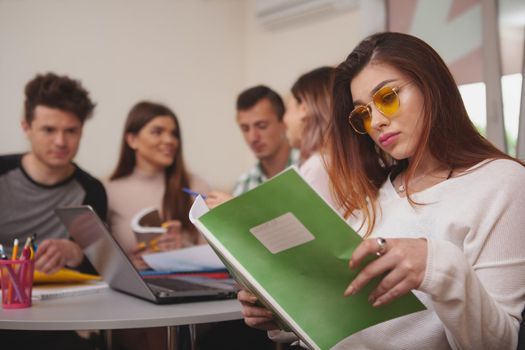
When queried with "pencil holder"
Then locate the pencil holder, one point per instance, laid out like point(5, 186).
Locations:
point(17, 283)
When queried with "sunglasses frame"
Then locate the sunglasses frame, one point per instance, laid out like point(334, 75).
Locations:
point(395, 90)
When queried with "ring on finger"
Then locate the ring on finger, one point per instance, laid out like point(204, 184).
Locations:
point(381, 246)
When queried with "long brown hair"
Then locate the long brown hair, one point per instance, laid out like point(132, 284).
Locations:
point(175, 203)
point(314, 89)
point(358, 168)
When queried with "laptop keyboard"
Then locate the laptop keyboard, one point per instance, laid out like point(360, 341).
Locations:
point(178, 285)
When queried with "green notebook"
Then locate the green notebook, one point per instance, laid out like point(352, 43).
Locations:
point(283, 242)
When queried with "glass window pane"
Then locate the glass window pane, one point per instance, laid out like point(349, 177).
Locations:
point(511, 90)
point(474, 99)
point(512, 39)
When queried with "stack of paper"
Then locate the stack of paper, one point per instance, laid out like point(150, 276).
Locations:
point(199, 258)
point(64, 283)
point(58, 290)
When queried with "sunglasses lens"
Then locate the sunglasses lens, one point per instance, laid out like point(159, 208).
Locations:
point(386, 101)
point(360, 119)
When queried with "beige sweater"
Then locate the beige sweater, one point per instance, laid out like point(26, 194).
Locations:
point(131, 194)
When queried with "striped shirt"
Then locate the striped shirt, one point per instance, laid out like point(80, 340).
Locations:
point(255, 176)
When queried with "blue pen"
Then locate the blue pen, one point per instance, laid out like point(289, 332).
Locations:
point(33, 242)
point(193, 193)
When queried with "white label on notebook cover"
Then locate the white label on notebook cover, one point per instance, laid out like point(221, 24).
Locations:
point(283, 232)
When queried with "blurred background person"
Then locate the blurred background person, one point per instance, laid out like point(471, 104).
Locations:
point(307, 115)
point(151, 173)
point(34, 184)
point(260, 112)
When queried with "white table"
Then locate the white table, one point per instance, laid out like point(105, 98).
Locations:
point(109, 309)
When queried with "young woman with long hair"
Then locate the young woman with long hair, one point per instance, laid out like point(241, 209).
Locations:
point(438, 205)
point(151, 173)
point(308, 110)
point(307, 115)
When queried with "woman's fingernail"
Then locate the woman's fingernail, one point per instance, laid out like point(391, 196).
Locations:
point(349, 291)
point(351, 264)
point(377, 303)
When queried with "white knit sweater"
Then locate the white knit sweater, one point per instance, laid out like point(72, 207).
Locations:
point(474, 284)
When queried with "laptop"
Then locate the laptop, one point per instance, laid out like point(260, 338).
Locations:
point(106, 255)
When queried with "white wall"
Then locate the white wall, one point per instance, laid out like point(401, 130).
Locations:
point(277, 56)
point(193, 55)
point(183, 53)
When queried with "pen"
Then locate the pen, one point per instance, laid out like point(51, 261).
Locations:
point(33, 242)
point(193, 193)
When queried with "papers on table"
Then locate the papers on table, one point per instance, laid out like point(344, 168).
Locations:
point(197, 258)
point(59, 290)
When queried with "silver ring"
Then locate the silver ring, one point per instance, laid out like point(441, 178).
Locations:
point(381, 246)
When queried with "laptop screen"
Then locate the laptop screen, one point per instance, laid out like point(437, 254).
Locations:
point(103, 251)
point(88, 231)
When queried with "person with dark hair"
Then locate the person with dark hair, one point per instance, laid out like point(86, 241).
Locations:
point(306, 120)
point(437, 204)
point(151, 172)
point(33, 184)
point(260, 112)
point(307, 116)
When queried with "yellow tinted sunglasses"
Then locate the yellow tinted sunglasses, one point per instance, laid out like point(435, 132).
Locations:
point(386, 101)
